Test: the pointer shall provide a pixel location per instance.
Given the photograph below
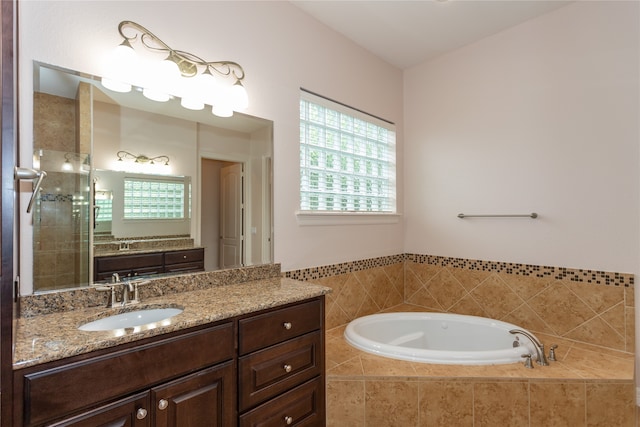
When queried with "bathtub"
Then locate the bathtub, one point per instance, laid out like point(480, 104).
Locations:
point(442, 338)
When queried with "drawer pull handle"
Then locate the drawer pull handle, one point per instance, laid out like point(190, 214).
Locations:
point(287, 368)
point(288, 420)
point(287, 325)
point(162, 404)
point(141, 414)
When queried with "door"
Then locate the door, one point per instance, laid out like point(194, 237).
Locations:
point(231, 216)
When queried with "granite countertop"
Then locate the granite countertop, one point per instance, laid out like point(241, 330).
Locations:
point(124, 252)
point(55, 336)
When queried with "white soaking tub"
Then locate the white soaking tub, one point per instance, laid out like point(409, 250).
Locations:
point(439, 338)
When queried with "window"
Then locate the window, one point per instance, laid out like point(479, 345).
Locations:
point(347, 159)
point(103, 201)
point(154, 198)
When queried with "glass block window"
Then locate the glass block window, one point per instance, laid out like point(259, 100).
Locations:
point(347, 159)
point(154, 198)
point(104, 203)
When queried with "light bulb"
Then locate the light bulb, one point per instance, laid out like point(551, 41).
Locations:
point(191, 93)
point(120, 68)
point(239, 97)
point(222, 109)
point(156, 94)
point(67, 166)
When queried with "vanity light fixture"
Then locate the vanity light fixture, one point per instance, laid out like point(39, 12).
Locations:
point(142, 158)
point(162, 72)
point(71, 158)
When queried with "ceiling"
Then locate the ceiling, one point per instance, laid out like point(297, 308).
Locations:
point(407, 33)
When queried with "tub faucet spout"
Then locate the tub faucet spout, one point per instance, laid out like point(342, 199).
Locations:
point(542, 358)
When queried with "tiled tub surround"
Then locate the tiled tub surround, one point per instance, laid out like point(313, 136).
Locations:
point(585, 387)
point(205, 298)
point(590, 315)
point(578, 305)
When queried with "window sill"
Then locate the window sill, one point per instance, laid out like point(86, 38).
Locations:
point(311, 218)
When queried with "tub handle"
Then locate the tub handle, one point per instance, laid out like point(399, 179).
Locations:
point(527, 361)
point(552, 352)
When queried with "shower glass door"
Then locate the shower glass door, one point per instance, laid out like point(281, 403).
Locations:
point(61, 221)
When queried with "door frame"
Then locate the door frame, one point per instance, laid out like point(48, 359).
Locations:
point(197, 213)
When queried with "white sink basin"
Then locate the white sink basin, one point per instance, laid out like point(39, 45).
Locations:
point(130, 319)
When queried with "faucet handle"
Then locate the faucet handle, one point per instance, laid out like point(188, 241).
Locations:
point(527, 361)
point(552, 352)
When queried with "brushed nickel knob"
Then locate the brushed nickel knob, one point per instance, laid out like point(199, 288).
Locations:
point(287, 325)
point(288, 420)
point(141, 414)
point(162, 404)
point(287, 368)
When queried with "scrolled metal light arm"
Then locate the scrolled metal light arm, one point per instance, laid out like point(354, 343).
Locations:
point(188, 63)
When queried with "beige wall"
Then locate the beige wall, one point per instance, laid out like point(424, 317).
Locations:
point(542, 117)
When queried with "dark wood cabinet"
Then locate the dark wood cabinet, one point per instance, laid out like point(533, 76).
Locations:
point(130, 412)
point(281, 367)
point(80, 384)
point(204, 399)
point(132, 265)
point(194, 377)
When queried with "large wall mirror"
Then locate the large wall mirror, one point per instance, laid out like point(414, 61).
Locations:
point(127, 175)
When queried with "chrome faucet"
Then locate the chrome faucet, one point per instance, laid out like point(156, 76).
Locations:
point(541, 357)
point(127, 288)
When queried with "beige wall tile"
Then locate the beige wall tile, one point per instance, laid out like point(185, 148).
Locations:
point(560, 308)
point(391, 403)
point(496, 298)
point(446, 404)
point(557, 404)
point(501, 404)
point(611, 405)
point(445, 289)
point(345, 403)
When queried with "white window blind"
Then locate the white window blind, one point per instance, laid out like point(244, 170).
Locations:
point(153, 198)
point(347, 159)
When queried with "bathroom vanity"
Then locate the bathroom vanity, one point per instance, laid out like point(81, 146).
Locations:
point(244, 354)
point(147, 263)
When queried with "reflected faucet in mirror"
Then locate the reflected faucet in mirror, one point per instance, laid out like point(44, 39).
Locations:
point(220, 178)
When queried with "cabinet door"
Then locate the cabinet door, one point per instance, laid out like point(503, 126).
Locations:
point(204, 399)
point(130, 412)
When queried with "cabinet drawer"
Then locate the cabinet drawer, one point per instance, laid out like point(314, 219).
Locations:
point(181, 257)
point(267, 373)
point(302, 406)
point(128, 262)
point(53, 393)
point(277, 326)
point(121, 413)
point(192, 266)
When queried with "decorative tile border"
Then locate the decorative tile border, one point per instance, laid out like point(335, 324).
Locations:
point(314, 273)
point(560, 273)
